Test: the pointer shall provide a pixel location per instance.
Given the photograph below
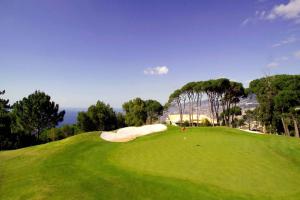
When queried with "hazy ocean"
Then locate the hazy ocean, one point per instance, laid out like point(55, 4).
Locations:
point(71, 115)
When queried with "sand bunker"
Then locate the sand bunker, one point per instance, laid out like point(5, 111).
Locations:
point(130, 133)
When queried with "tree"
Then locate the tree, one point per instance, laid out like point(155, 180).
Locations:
point(120, 120)
point(235, 111)
point(99, 117)
point(220, 92)
point(199, 90)
point(232, 94)
point(249, 117)
point(154, 109)
point(285, 103)
point(274, 94)
point(210, 92)
point(36, 113)
point(179, 100)
point(136, 113)
point(59, 133)
point(85, 123)
point(215, 90)
point(188, 90)
point(6, 140)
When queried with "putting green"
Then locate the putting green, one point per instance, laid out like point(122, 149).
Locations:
point(201, 163)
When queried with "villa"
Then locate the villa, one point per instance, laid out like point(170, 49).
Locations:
point(174, 119)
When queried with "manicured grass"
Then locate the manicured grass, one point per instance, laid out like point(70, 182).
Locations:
point(201, 163)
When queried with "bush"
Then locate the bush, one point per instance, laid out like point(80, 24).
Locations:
point(206, 122)
point(186, 123)
point(54, 134)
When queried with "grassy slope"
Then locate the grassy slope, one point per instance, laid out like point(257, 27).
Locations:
point(203, 163)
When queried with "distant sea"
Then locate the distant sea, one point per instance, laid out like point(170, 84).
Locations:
point(71, 115)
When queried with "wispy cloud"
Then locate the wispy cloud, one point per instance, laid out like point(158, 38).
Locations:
point(260, 14)
point(282, 58)
point(273, 65)
point(159, 70)
point(277, 62)
point(286, 41)
point(289, 11)
point(246, 21)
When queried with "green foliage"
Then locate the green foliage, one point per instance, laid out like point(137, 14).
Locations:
point(186, 123)
point(206, 122)
point(84, 122)
point(6, 138)
point(35, 114)
point(153, 109)
point(240, 122)
point(221, 93)
point(54, 134)
point(120, 120)
point(175, 95)
point(100, 117)
point(277, 96)
point(286, 100)
point(136, 113)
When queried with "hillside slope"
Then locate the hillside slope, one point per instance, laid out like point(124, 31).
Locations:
point(202, 163)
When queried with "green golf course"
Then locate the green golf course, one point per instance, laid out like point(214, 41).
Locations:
point(200, 163)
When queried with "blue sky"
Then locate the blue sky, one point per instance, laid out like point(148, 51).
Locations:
point(83, 51)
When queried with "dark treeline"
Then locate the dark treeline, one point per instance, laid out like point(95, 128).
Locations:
point(33, 119)
point(23, 123)
point(101, 117)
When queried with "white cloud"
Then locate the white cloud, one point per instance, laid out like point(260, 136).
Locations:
point(159, 70)
point(260, 14)
point(246, 21)
point(288, 40)
point(277, 62)
point(291, 11)
point(273, 65)
point(297, 54)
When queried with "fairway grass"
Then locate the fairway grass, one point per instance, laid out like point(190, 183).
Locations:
point(200, 163)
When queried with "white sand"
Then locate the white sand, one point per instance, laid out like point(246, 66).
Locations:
point(130, 133)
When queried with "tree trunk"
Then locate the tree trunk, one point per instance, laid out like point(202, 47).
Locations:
point(286, 130)
point(197, 111)
point(190, 112)
point(296, 127)
point(264, 129)
point(249, 125)
point(212, 114)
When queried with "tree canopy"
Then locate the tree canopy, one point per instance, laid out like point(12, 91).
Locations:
point(35, 113)
point(138, 111)
point(5, 123)
point(222, 95)
point(278, 96)
point(100, 117)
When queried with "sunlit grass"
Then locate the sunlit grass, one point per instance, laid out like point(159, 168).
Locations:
point(200, 163)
